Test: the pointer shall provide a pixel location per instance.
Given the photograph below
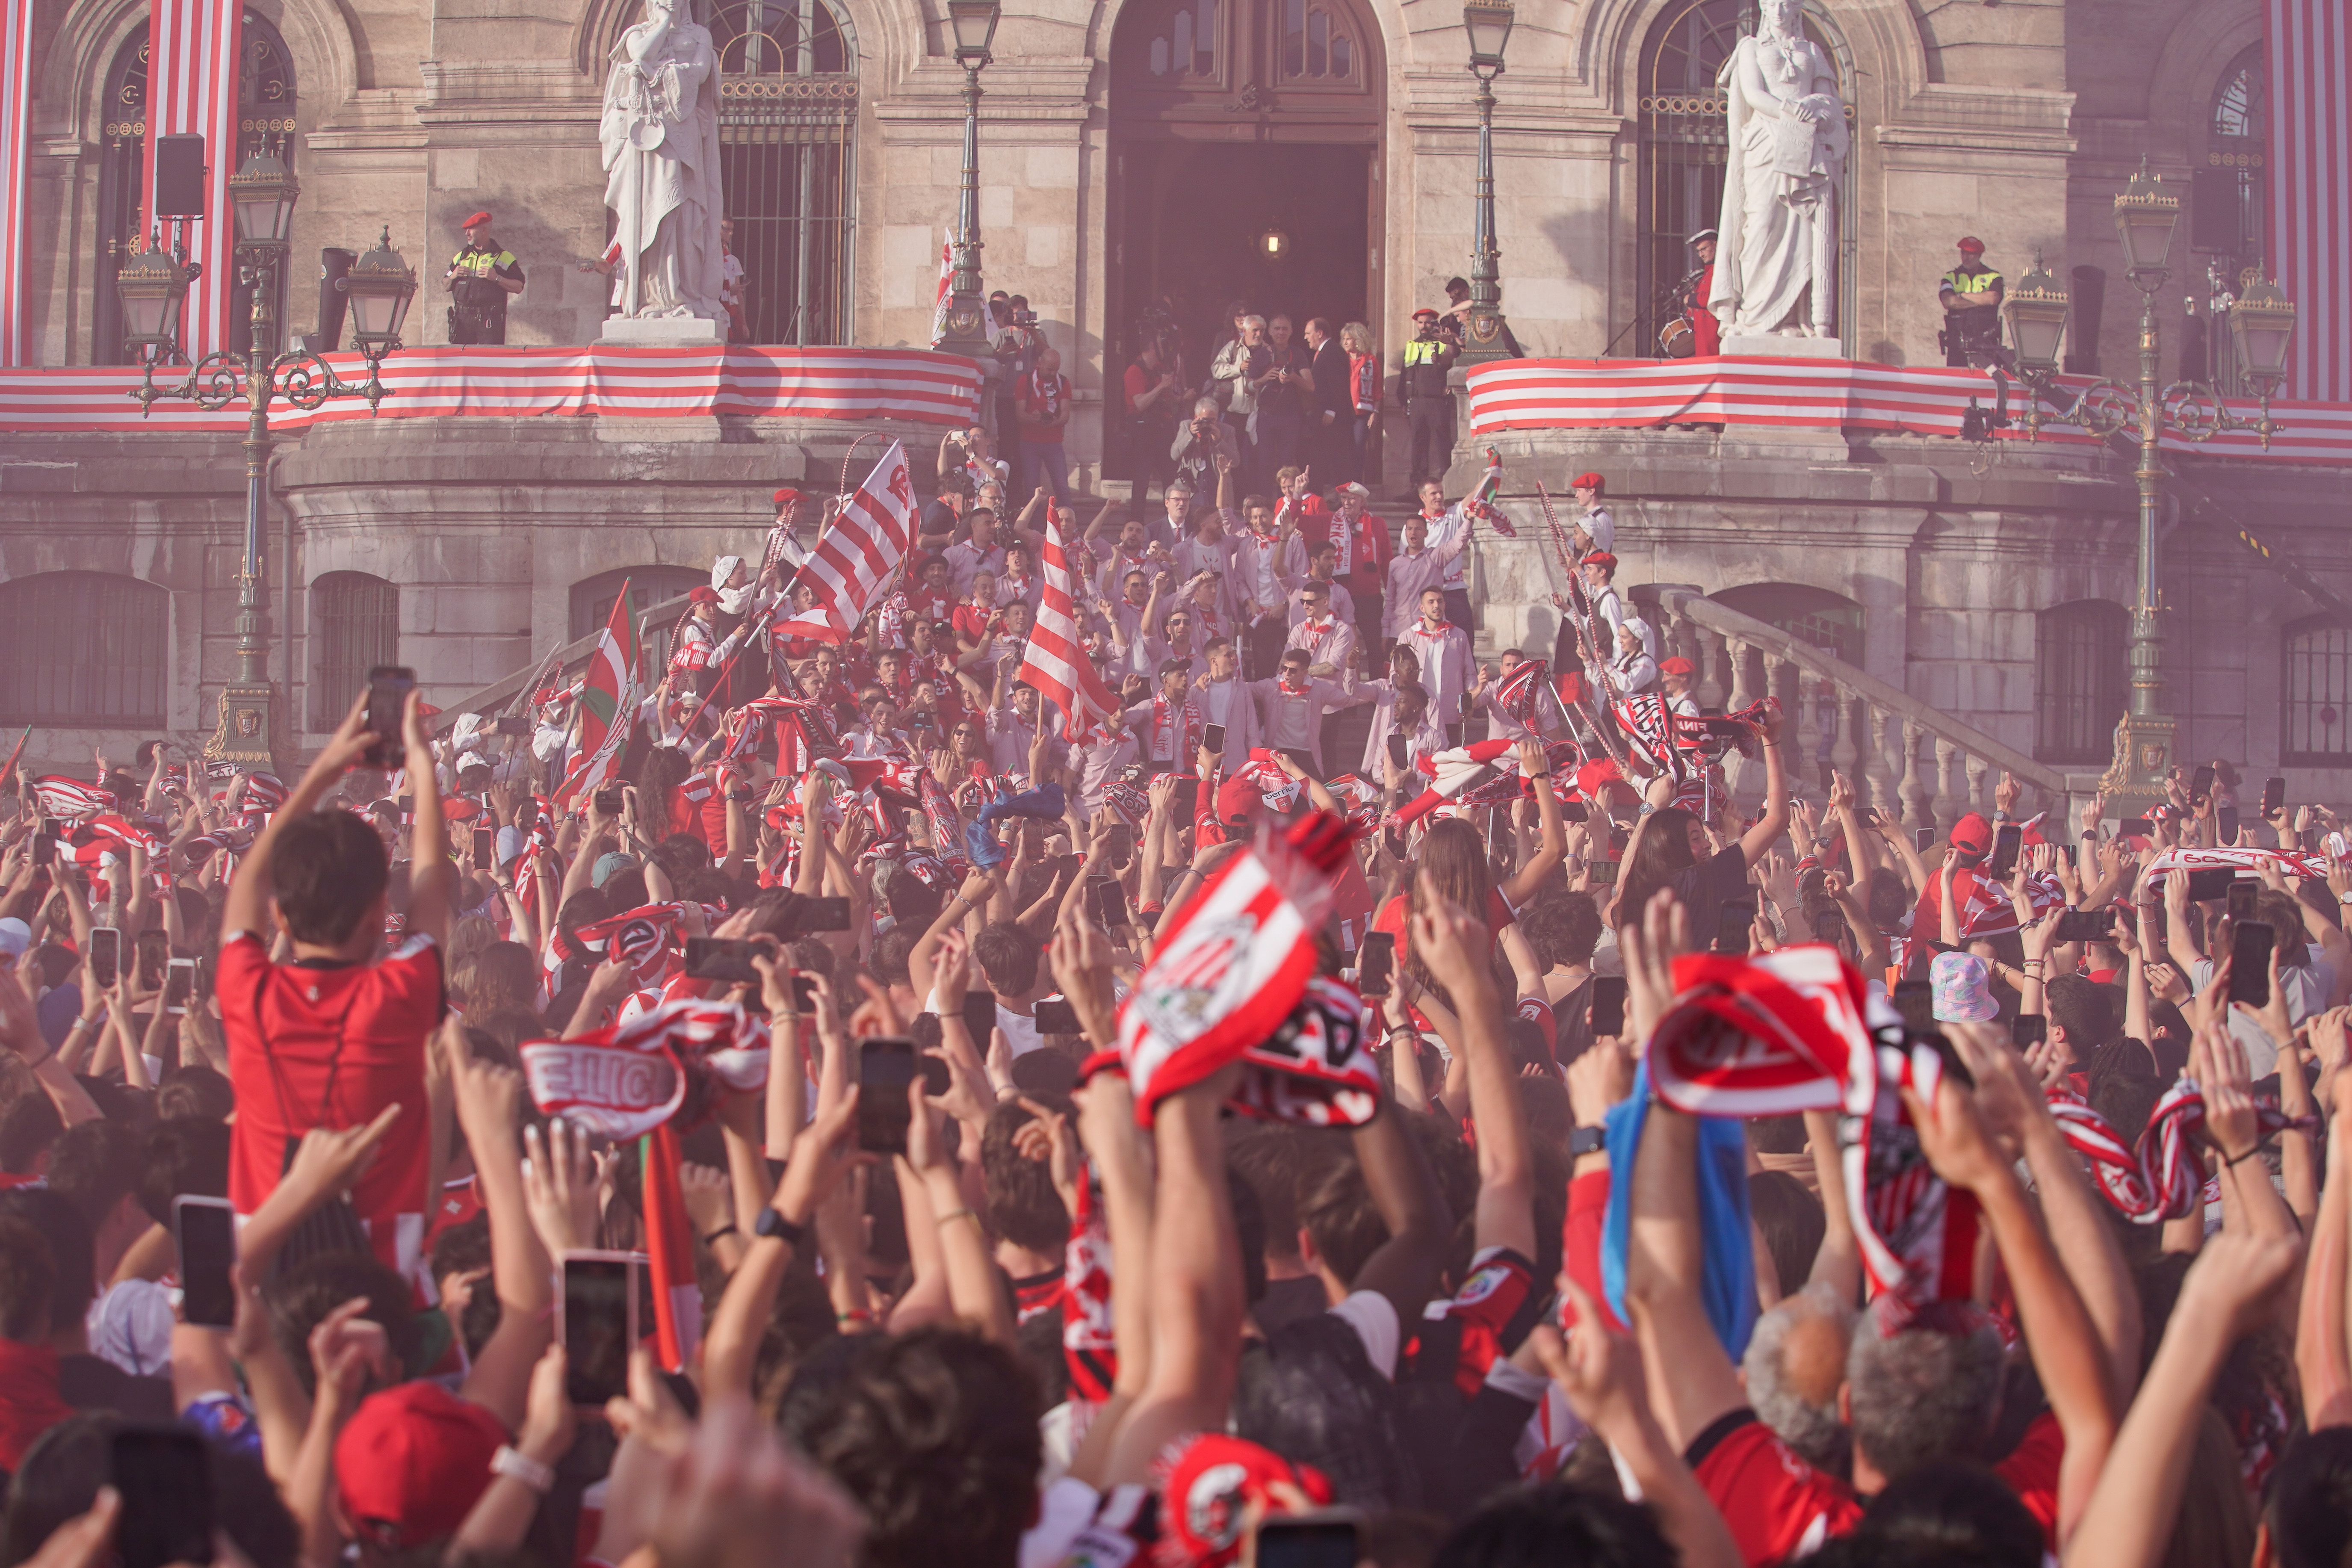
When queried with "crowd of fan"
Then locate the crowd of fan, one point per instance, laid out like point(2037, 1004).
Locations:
point(1486, 1325)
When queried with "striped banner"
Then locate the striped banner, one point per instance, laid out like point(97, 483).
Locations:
point(2310, 202)
point(16, 173)
point(862, 385)
point(192, 91)
point(856, 556)
point(1055, 661)
point(1557, 394)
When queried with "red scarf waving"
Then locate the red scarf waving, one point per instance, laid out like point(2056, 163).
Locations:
point(1188, 727)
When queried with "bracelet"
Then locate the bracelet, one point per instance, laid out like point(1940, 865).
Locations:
point(2249, 1154)
point(2033, 964)
point(726, 1229)
point(1543, 775)
point(857, 1314)
point(964, 1213)
point(35, 1066)
point(517, 1466)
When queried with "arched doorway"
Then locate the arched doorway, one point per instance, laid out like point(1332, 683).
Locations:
point(1245, 141)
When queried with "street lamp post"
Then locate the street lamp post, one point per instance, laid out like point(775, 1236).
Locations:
point(2261, 322)
point(1488, 23)
point(382, 286)
point(973, 24)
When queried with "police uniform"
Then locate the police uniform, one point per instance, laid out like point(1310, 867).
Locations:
point(1973, 332)
point(478, 313)
point(1428, 402)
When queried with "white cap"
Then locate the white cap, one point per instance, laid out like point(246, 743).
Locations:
point(16, 936)
point(1602, 527)
point(472, 760)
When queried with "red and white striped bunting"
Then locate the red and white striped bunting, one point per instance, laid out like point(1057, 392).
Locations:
point(1552, 394)
point(16, 173)
point(1055, 662)
point(862, 385)
point(192, 51)
point(2310, 205)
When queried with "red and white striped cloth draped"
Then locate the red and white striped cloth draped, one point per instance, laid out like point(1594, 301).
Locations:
point(1055, 661)
point(192, 64)
point(858, 555)
point(16, 173)
point(947, 282)
point(1921, 400)
point(2310, 205)
point(66, 797)
point(854, 384)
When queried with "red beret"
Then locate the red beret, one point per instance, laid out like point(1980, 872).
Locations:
point(785, 494)
point(703, 593)
point(1972, 245)
point(1678, 666)
point(476, 221)
point(1588, 481)
point(1600, 558)
point(1424, 314)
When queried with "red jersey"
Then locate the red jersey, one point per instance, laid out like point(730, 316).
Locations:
point(2031, 1472)
point(1463, 1336)
point(320, 1045)
point(1777, 1505)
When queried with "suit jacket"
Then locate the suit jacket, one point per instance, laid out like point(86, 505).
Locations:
point(1330, 372)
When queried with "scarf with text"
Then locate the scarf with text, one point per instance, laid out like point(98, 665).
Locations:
point(1188, 723)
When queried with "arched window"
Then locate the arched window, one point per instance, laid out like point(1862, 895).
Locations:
point(2227, 189)
point(2081, 680)
point(787, 117)
point(1186, 41)
point(2317, 682)
point(354, 626)
point(591, 602)
point(265, 91)
point(1816, 617)
point(1683, 143)
point(84, 649)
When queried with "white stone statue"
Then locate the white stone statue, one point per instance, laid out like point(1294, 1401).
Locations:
point(1779, 225)
point(660, 138)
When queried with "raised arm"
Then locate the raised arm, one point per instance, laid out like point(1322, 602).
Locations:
point(1456, 949)
point(1775, 820)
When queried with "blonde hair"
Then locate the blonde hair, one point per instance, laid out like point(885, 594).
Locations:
point(1363, 336)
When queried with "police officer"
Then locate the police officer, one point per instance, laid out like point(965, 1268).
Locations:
point(480, 278)
point(1428, 404)
point(1970, 295)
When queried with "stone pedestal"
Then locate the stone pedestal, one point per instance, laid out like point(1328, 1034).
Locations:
point(661, 332)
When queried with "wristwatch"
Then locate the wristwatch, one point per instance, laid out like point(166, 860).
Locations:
point(771, 1223)
point(1587, 1140)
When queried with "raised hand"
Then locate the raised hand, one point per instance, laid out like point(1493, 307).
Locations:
point(560, 1186)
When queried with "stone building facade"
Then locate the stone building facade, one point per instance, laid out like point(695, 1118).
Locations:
point(1133, 151)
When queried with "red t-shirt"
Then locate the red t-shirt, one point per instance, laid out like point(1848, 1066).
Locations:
point(319, 1046)
point(1775, 1504)
point(2031, 1472)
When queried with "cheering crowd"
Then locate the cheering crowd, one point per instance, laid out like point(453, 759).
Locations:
point(1007, 1043)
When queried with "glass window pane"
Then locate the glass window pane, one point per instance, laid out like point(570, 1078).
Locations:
point(1184, 35)
point(1204, 59)
point(1159, 57)
point(1340, 65)
point(1294, 37)
point(1318, 51)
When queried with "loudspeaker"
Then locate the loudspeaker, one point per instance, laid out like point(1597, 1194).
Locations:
point(334, 264)
point(179, 176)
point(2214, 210)
point(2090, 290)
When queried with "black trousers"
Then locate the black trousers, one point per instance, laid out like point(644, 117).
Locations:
point(1432, 440)
point(1263, 641)
point(474, 324)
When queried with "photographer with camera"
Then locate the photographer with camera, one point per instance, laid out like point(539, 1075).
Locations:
point(1201, 443)
point(1018, 345)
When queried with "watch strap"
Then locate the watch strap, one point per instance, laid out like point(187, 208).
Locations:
point(771, 1223)
point(1586, 1140)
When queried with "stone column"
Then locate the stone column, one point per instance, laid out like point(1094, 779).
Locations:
point(1874, 765)
point(1843, 752)
point(1949, 784)
point(1919, 800)
point(1713, 652)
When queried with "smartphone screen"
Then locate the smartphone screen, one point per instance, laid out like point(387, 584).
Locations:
point(1732, 927)
point(1398, 749)
point(179, 984)
point(2086, 925)
point(1121, 849)
point(812, 915)
point(486, 849)
point(2201, 782)
point(2226, 819)
point(980, 1016)
point(207, 1229)
point(2213, 882)
point(1187, 798)
point(105, 956)
point(2027, 1029)
point(387, 705)
point(1056, 1016)
point(152, 951)
point(1213, 737)
point(1372, 965)
point(2138, 827)
point(2005, 845)
point(803, 991)
point(1921, 839)
point(1915, 1000)
point(45, 848)
point(1608, 1005)
point(2250, 962)
point(2274, 796)
point(1573, 811)
point(599, 1324)
point(2240, 899)
point(1110, 901)
point(1306, 1543)
point(608, 802)
point(886, 1066)
point(720, 958)
point(165, 1480)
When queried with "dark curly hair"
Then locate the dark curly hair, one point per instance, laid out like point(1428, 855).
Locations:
point(934, 1433)
point(1541, 1526)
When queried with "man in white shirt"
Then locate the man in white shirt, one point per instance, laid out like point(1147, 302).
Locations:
point(1676, 677)
point(878, 737)
point(1321, 560)
point(1167, 727)
point(1266, 561)
point(1448, 525)
point(1417, 566)
point(1399, 706)
point(976, 553)
point(1594, 529)
point(1208, 550)
point(1224, 698)
point(1599, 569)
point(1292, 706)
point(1135, 551)
point(1442, 650)
point(1107, 751)
point(1329, 641)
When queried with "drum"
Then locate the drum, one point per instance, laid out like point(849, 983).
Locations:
point(1676, 339)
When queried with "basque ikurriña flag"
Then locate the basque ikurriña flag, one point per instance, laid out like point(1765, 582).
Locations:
point(608, 704)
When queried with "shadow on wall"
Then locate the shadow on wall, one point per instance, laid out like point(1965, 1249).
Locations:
point(559, 303)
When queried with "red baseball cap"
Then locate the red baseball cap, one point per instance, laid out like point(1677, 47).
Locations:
point(1588, 481)
point(1972, 835)
point(413, 1461)
point(476, 221)
point(1238, 801)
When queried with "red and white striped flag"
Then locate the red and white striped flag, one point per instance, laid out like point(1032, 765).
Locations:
point(16, 173)
point(193, 49)
point(858, 553)
point(61, 796)
point(2310, 59)
point(939, 305)
point(608, 706)
point(1055, 662)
